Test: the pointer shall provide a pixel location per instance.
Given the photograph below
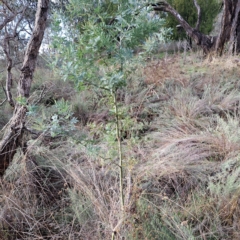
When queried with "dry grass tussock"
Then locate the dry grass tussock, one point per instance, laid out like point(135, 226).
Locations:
point(160, 70)
point(61, 194)
point(181, 148)
point(225, 63)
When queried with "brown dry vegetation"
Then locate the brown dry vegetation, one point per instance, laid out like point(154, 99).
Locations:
point(181, 151)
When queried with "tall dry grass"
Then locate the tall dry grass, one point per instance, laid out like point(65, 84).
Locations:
point(181, 161)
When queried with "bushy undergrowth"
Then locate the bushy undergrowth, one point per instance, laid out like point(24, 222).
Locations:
point(180, 146)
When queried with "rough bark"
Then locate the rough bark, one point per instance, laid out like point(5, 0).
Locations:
point(235, 31)
point(225, 26)
point(32, 50)
point(12, 139)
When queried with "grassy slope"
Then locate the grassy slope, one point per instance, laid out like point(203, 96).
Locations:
point(181, 146)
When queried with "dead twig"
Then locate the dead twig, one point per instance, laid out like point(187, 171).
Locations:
point(6, 48)
point(5, 95)
point(3, 102)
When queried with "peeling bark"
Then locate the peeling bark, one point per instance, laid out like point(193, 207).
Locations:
point(12, 139)
point(32, 50)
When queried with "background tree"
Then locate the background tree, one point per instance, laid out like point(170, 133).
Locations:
point(187, 9)
point(12, 19)
point(229, 26)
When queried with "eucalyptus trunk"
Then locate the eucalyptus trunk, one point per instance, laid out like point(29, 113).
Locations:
point(13, 135)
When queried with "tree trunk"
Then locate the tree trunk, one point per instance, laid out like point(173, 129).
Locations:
point(206, 42)
point(235, 30)
point(12, 139)
point(230, 27)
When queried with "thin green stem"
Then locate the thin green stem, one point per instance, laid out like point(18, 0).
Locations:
point(118, 135)
point(113, 236)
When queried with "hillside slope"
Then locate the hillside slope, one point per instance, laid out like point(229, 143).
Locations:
point(179, 119)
